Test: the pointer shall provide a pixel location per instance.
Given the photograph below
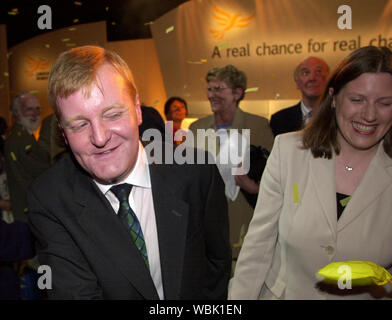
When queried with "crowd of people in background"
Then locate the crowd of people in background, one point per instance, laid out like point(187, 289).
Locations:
point(84, 199)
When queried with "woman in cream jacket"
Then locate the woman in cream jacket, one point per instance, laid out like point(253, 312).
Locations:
point(326, 193)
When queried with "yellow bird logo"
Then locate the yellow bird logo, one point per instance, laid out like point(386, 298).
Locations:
point(228, 21)
point(35, 65)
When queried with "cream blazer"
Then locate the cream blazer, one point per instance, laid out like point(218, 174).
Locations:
point(295, 232)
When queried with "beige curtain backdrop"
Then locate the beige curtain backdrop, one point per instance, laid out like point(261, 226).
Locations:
point(30, 61)
point(265, 38)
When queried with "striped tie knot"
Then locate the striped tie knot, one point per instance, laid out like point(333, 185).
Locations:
point(122, 191)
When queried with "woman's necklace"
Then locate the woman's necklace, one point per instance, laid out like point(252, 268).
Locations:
point(348, 168)
point(358, 164)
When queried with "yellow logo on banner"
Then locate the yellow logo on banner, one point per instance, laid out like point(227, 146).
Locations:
point(228, 22)
point(35, 65)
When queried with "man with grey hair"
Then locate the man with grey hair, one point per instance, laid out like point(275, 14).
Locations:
point(25, 159)
point(311, 77)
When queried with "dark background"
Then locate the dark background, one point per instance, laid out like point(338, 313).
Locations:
point(126, 19)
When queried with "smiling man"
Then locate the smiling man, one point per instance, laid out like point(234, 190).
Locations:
point(110, 225)
point(311, 77)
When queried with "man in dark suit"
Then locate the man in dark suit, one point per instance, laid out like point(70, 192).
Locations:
point(311, 77)
point(16, 245)
point(109, 225)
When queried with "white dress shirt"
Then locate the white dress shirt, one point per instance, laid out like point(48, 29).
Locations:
point(141, 202)
point(306, 112)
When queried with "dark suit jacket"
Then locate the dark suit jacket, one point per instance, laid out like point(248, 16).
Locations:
point(25, 160)
point(51, 139)
point(287, 120)
point(92, 256)
point(16, 244)
point(151, 119)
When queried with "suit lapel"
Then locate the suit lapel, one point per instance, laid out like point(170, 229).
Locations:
point(298, 117)
point(211, 136)
point(377, 178)
point(323, 176)
point(238, 120)
point(101, 224)
point(172, 220)
point(238, 123)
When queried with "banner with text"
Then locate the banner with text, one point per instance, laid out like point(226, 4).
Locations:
point(266, 39)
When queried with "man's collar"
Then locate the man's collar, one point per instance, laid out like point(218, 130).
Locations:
point(305, 109)
point(139, 176)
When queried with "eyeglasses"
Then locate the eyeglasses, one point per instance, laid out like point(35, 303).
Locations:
point(216, 89)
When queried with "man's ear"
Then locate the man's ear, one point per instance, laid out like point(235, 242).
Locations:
point(15, 114)
point(62, 131)
point(138, 110)
point(238, 93)
point(297, 83)
point(64, 136)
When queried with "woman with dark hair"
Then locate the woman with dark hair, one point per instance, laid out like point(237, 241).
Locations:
point(176, 110)
point(326, 191)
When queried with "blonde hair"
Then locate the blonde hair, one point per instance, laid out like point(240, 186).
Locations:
point(76, 68)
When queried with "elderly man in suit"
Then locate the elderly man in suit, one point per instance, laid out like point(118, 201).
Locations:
point(311, 77)
point(25, 158)
point(109, 225)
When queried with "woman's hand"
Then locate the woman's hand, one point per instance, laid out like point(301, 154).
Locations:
point(246, 183)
